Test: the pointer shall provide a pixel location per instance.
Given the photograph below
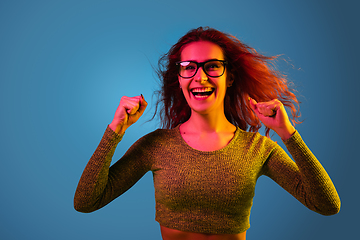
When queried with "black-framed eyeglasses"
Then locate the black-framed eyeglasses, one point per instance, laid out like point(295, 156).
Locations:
point(212, 68)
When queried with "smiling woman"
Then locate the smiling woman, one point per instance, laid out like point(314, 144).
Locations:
point(253, 73)
point(201, 95)
point(216, 93)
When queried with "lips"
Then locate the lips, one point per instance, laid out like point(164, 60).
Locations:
point(202, 92)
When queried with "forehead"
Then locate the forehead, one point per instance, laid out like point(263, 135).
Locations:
point(201, 51)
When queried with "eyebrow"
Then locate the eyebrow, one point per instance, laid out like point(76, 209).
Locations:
point(213, 59)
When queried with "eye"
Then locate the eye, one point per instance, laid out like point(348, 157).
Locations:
point(188, 66)
point(213, 66)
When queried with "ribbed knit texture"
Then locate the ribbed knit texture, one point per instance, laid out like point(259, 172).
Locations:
point(206, 192)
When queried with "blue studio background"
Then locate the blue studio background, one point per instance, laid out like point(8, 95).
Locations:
point(64, 66)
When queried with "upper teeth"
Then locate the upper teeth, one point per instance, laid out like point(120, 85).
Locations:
point(202, 89)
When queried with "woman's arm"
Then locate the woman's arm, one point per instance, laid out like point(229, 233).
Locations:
point(98, 185)
point(94, 179)
point(305, 179)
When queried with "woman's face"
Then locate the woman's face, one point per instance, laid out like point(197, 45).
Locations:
point(204, 94)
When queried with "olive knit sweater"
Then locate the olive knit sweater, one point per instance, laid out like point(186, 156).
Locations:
point(206, 192)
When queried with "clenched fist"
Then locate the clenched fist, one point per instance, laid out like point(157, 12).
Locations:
point(128, 112)
point(273, 115)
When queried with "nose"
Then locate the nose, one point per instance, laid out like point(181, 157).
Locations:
point(200, 76)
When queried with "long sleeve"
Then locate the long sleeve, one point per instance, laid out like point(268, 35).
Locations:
point(305, 178)
point(100, 183)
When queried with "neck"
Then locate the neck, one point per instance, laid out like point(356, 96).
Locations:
point(208, 123)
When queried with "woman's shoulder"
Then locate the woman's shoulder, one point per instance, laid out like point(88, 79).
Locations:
point(247, 135)
point(160, 136)
point(254, 138)
point(161, 133)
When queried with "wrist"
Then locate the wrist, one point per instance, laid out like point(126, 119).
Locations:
point(117, 128)
point(286, 133)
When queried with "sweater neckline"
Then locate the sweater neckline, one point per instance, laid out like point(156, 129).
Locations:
point(186, 145)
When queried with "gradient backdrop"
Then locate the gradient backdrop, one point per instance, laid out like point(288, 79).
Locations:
point(64, 66)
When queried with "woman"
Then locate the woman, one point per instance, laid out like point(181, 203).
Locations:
point(205, 164)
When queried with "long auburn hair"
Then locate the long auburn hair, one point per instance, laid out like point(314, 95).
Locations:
point(254, 76)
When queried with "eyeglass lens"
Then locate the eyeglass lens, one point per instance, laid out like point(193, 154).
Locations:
point(211, 68)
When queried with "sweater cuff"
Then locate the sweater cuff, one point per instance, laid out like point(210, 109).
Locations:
point(111, 136)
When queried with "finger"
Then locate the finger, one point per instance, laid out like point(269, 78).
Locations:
point(275, 106)
point(266, 111)
point(137, 105)
point(143, 104)
point(270, 108)
point(274, 112)
point(132, 107)
point(129, 104)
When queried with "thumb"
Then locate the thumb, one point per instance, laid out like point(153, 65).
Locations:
point(143, 104)
point(252, 103)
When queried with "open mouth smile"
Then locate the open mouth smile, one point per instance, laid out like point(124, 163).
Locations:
point(202, 93)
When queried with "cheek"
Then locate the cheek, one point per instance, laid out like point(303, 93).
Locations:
point(183, 84)
point(222, 86)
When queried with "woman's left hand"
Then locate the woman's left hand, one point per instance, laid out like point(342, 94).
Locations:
point(273, 115)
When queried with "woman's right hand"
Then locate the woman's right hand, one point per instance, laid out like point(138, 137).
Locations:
point(128, 112)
